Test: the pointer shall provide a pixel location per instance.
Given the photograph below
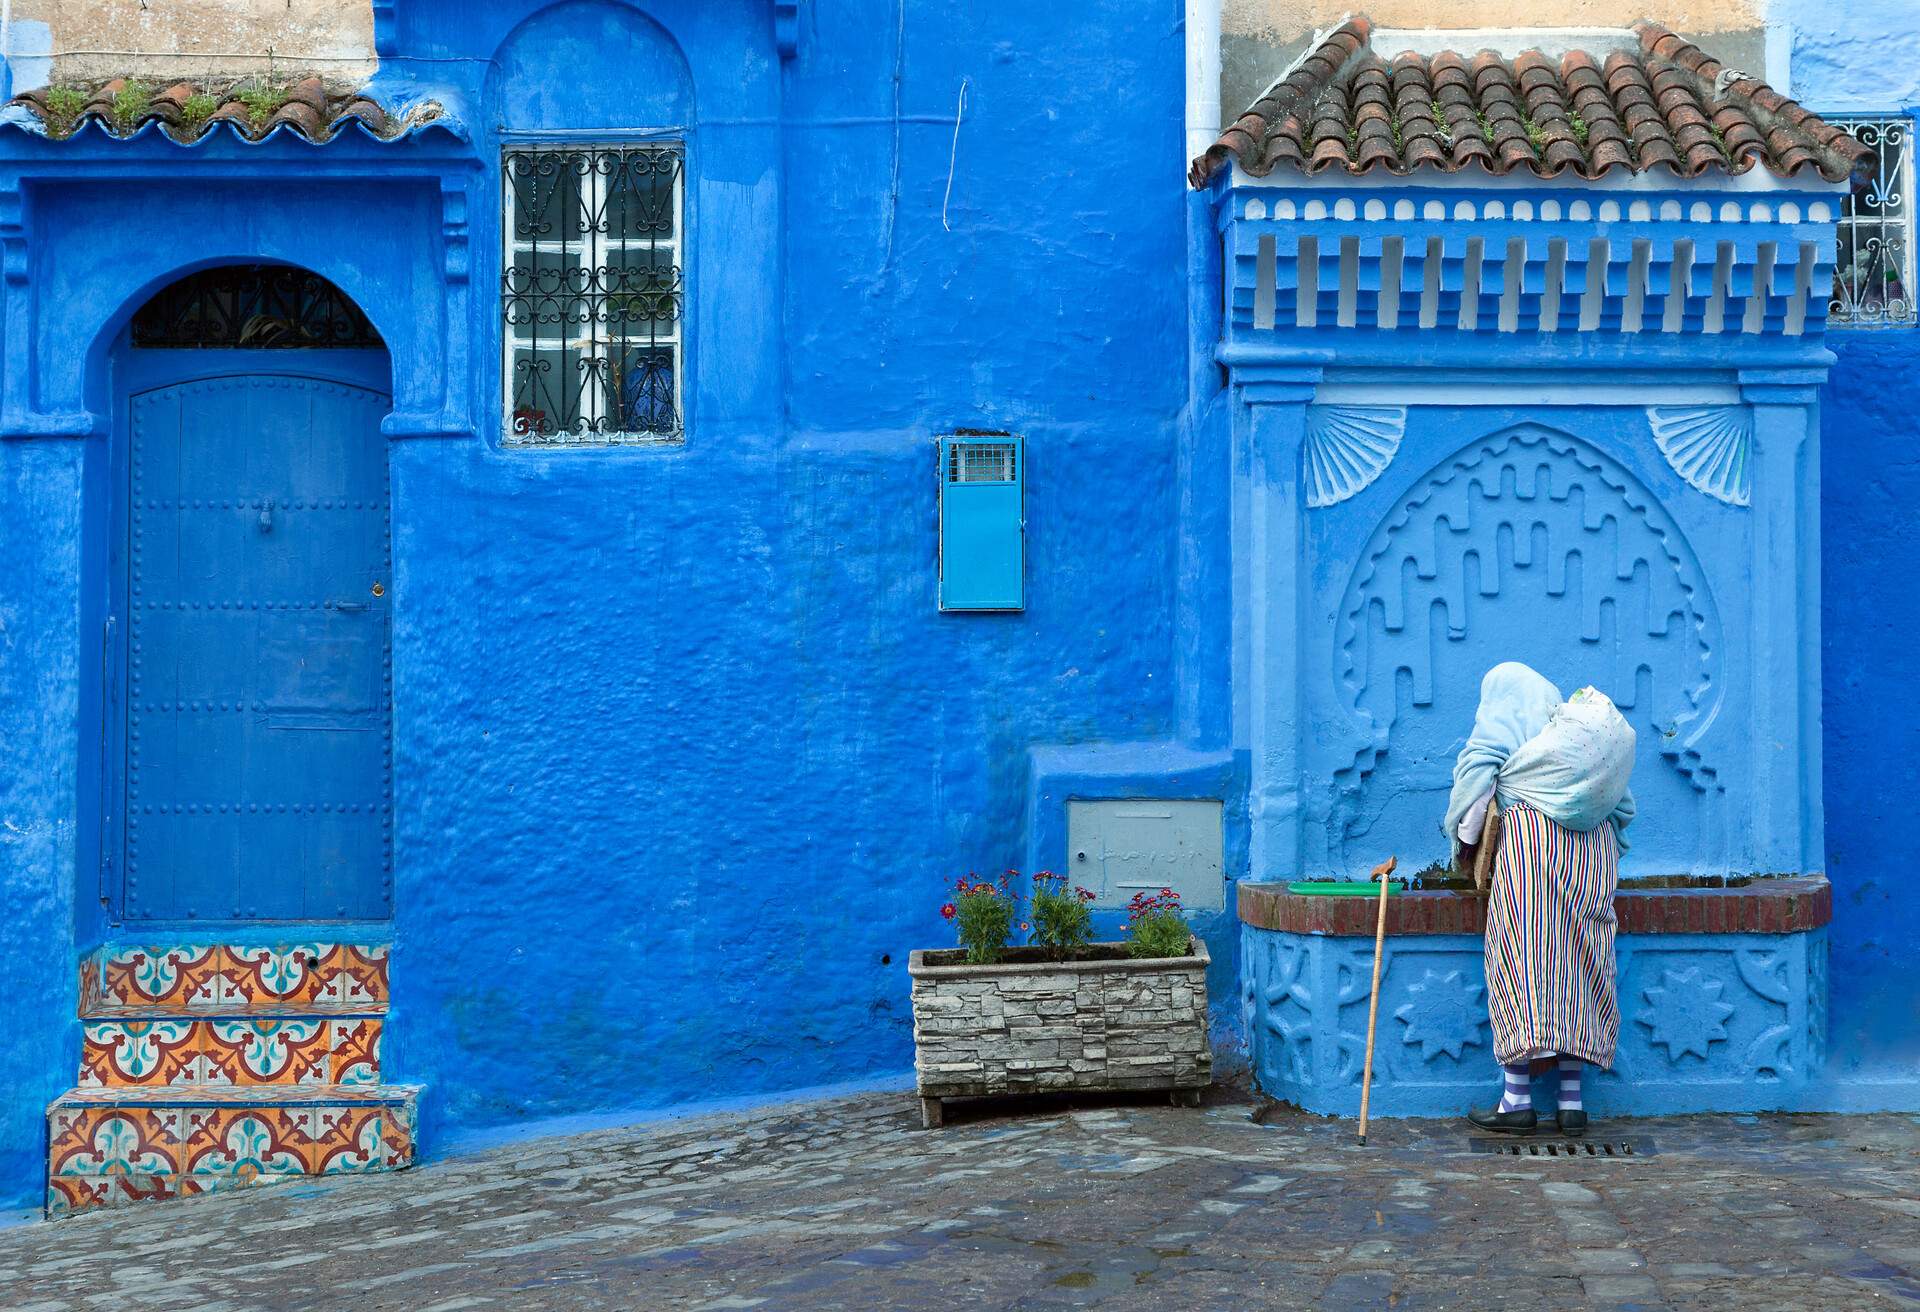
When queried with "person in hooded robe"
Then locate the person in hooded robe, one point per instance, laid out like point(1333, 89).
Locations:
point(1559, 771)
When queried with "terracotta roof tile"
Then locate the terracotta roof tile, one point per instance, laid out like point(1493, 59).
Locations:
point(186, 112)
point(1669, 105)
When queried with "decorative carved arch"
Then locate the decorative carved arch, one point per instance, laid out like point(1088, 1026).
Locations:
point(1530, 497)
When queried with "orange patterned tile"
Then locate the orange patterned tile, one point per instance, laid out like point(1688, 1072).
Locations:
point(135, 1052)
point(354, 973)
point(162, 976)
point(354, 1050)
point(279, 973)
point(91, 1141)
point(264, 1050)
point(396, 1137)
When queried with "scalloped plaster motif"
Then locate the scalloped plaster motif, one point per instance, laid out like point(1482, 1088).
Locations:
point(1709, 446)
point(1347, 447)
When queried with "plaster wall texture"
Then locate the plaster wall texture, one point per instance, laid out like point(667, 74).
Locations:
point(97, 39)
point(683, 747)
point(1864, 56)
point(1709, 1022)
point(39, 629)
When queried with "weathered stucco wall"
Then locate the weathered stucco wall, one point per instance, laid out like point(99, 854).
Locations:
point(89, 40)
point(1864, 56)
point(684, 749)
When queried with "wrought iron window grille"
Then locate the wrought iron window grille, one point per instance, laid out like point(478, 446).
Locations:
point(252, 306)
point(592, 294)
point(1873, 270)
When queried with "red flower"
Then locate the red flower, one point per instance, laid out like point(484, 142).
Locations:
point(1086, 894)
point(948, 912)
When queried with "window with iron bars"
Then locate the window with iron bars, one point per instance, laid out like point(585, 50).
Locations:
point(1873, 270)
point(592, 294)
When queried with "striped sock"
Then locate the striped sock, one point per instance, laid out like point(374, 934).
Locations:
point(1519, 1090)
point(1570, 1068)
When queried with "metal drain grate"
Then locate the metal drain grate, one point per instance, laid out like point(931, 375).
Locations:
point(1580, 1148)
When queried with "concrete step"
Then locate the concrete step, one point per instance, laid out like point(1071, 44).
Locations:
point(234, 979)
point(266, 1049)
point(112, 1146)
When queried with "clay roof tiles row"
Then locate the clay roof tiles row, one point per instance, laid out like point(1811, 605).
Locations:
point(1668, 105)
point(186, 112)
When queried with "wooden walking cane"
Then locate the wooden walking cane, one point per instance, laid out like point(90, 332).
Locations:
point(1380, 872)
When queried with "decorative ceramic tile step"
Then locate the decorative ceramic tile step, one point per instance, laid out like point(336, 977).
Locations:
point(120, 1145)
point(252, 1050)
point(221, 977)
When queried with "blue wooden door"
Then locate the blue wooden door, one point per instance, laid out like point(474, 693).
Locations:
point(256, 612)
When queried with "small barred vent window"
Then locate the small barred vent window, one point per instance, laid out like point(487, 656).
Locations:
point(592, 295)
point(252, 306)
point(1873, 272)
point(980, 462)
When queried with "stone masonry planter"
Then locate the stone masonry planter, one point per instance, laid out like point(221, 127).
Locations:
point(1030, 1025)
point(1723, 998)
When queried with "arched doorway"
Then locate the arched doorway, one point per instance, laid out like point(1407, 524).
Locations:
point(249, 758)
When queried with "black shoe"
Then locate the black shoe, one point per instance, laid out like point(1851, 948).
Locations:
point(1506, 1122)
point(1572, 1124)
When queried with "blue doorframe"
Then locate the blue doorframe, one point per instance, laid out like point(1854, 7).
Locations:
point(246, 644)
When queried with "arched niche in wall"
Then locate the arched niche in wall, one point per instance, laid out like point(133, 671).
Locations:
point(590, 64)
point(1529, 544)
point(595, 252)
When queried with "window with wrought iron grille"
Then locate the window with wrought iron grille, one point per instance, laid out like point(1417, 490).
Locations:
point(1873, 271)
point(592, 294)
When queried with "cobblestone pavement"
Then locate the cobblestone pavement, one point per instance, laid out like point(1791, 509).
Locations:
point(847, 1204)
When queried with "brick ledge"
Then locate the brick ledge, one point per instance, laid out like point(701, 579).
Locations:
point(1784, 904)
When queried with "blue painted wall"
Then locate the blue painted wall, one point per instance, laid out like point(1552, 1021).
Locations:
point(681, 772)
point(1871, 531)
point(1864, 57)
point(684, 749)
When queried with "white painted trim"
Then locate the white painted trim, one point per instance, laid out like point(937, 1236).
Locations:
point(1203, 78)
point(1520, 390)
point(1756, 179)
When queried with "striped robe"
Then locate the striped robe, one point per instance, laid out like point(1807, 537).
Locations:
point(1550, 926)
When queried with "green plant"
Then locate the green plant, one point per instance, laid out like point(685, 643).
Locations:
point(64, 104)
point(261, 100)
point(1062, 919)
point(129, 102)
point(1155, 927)
point(1579, 126)
point(982, 913)
point(197, 109)
point(1536, 135)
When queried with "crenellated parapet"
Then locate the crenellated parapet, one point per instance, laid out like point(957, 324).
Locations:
point(1651, 266)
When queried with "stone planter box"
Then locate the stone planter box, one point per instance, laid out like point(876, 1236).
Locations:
point(1038, 1026)
point(1723, 999)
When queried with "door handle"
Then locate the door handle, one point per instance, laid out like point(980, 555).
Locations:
point(349, 605)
